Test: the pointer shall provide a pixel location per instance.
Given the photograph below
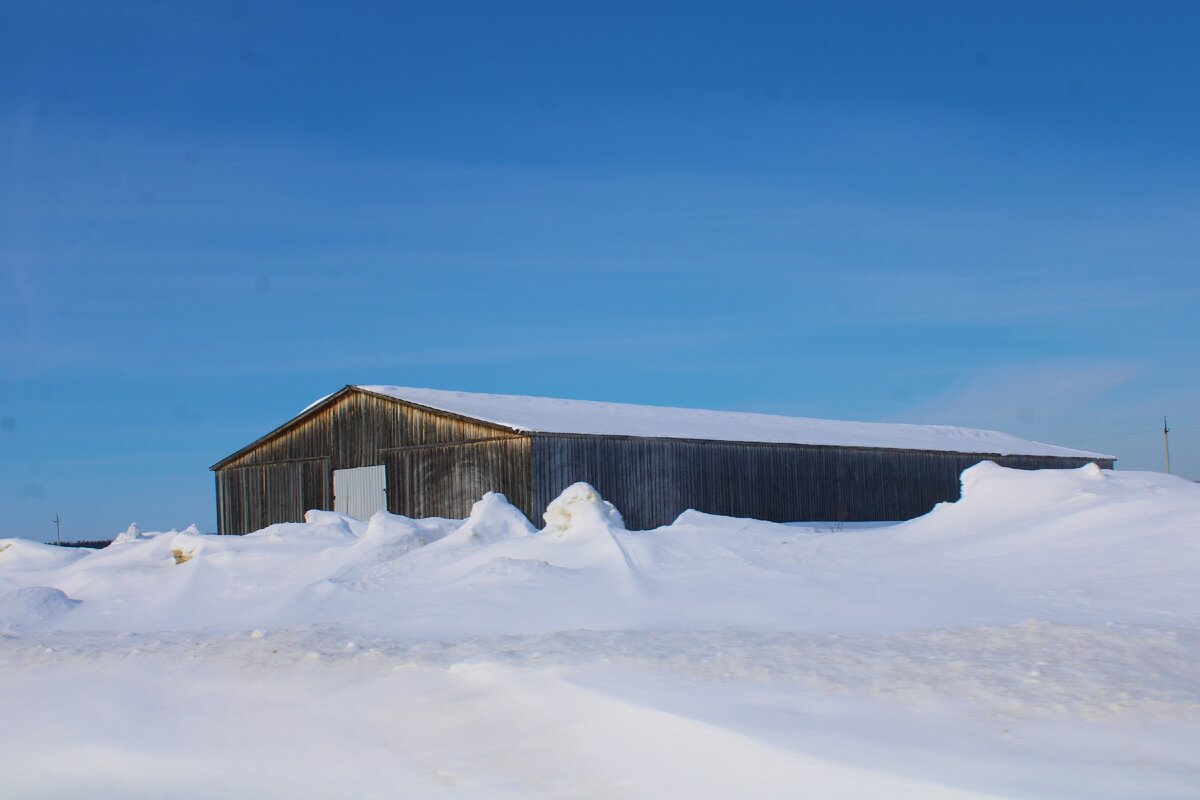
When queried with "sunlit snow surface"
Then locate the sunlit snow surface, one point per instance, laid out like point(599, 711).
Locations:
point(1039, 638)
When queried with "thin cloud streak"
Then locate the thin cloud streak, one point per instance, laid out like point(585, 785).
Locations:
point(1024, 398)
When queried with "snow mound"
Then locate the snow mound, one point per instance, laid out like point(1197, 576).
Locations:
point(315, 516)
point(988, 482)
point(586, 532)
point(130, 534)
point(33, 605)
point(496, 561)
point(389, 537)
point(18, 554)
point(580, 509)
point(328, 527)
point(336, 521)
point(386, 530)
point(1071, 500)
point(492, 519)
point(135, 534)
point(185, 544)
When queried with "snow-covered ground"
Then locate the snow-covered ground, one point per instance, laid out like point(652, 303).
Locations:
point(1039, 638)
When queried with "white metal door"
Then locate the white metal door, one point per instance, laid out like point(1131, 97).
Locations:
point(360, 491)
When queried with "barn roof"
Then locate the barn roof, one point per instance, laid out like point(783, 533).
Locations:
point(549, 415)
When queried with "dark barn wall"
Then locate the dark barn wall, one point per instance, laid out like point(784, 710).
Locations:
point(445, 480)
point(652, 481)
point(291, 470)
point(249, 498)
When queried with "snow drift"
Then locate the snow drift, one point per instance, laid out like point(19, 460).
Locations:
point(1075, 545)
point(33, 604)
point(1036, 638)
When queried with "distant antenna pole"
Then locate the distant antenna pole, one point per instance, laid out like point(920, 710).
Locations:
point(57, 529)
point(1166, 446)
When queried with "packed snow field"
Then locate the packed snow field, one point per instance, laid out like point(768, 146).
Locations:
point(1038, 638)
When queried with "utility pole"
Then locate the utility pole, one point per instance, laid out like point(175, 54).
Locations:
point(1166, 446)
point(57, 529)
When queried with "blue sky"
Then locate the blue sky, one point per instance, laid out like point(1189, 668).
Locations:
point(210, 214)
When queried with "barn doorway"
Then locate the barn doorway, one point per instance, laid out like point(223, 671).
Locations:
point(360, 491)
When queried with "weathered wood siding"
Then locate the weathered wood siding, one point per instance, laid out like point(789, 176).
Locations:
point(249, 498)
point(653, 480)
point(445, 480)
point(354, 429)
point(291, 470)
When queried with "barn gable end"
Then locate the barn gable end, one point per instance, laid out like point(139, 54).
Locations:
point(434, 461)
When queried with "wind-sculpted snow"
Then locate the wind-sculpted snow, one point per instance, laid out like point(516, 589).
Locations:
point(580, 510)
point(1075, 545)
point(32, 605)
point(1036, 638)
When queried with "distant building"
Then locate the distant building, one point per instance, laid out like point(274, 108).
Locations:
point(425, 452)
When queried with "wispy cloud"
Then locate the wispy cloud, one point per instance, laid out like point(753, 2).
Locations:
point(1025, 397)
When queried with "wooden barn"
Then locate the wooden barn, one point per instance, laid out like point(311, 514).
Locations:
point(426, 452)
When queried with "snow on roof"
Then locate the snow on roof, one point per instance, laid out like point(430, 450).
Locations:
point(549, 415)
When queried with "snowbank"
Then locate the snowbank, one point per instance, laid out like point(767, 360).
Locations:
point(579, 510)
point(1071, 545)
point(492, 519)
point(1036, 638)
